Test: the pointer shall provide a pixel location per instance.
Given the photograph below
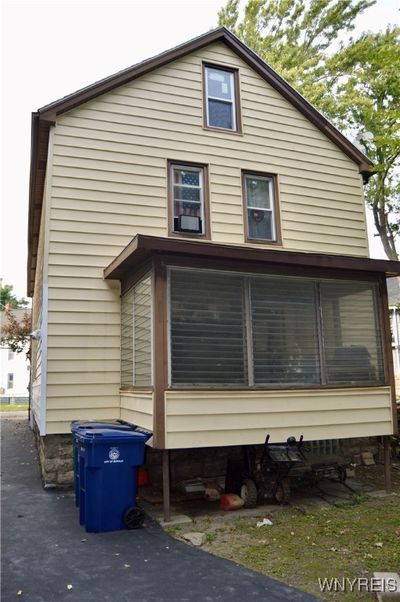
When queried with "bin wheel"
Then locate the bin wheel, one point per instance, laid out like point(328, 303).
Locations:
point(133, 518)
point(248, 493)
point(282, 492)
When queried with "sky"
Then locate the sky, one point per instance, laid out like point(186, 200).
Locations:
point(50, 48)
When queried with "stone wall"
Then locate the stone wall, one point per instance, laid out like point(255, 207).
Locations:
point(211, 462)
point(55, 458)
point(56, 462)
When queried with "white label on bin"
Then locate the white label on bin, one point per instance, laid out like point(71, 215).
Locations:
point(113, 454)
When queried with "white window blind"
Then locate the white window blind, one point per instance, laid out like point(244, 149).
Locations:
point(142, 333)
point(136, 335)
point(127, 339)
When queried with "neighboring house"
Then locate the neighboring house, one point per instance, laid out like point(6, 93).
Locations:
point(14, 368)
point(198, 260)
point(394, 307)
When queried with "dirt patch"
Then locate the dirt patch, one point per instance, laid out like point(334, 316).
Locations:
point(350, 538)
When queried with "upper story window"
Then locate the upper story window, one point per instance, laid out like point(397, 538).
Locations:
point(188, 194)
point(221, 98)
point(11, 354)
point(260, 200)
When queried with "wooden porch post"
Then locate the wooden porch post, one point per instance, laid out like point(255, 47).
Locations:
point(166, 485)
point(387, 463)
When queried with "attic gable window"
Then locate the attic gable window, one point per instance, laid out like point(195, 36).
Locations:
point(188, 199)
point(221, 98)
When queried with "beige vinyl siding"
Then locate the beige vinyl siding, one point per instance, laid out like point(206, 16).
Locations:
point(216, 418)
point(108, 182)
point(137, 408)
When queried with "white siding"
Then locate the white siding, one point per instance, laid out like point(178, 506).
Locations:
point(137, 407)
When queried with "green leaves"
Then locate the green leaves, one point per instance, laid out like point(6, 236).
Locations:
point(7, 297)
point(356, 85)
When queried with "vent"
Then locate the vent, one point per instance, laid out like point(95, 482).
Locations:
point(188, 223)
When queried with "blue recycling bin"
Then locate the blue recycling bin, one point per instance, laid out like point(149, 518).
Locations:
point(107, 463)
point(77, 425)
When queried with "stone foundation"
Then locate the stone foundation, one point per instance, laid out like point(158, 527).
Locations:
point(56, 462)
point(55, 459)
point(352, 448)
point(211, 462)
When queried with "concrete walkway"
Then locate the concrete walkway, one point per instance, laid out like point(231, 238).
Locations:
point(44, 549)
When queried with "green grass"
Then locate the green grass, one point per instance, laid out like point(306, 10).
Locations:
point(317, 541)
point(17, 407)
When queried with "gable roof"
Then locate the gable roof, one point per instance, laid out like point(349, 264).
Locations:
point(46, 116)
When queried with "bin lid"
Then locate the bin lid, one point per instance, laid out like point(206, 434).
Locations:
point(77, 425)
point(104, 435)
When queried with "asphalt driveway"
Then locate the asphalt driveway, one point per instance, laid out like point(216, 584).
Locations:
point(45, 551)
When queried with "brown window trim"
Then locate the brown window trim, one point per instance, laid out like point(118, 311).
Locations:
point(133, 389)
point(277, 388)
point(277, 213)
point(206, 199)
point(238, 113)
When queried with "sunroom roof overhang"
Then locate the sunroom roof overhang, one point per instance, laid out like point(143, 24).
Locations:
point(143, 247)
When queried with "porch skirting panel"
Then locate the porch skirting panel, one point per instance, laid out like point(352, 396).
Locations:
point(216, 418)
point(137, 407)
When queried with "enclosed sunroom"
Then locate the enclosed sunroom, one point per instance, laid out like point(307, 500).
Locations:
point(221, 344)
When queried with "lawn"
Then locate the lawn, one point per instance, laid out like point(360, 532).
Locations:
point(17, 407)
point(351, 539)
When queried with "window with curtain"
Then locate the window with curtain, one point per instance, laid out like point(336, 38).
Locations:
point(231, 329)
point(259, 196)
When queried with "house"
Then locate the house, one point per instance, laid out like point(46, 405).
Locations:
point(14, 368)
point(394, 308)
point(198, 261)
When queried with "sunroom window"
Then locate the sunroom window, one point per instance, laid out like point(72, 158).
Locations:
point(207, 330)
point(231, 329)
point(136, 367)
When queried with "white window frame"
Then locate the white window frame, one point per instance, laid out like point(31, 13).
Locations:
point(271, 186)
point(200, 171)
point(231, 101)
